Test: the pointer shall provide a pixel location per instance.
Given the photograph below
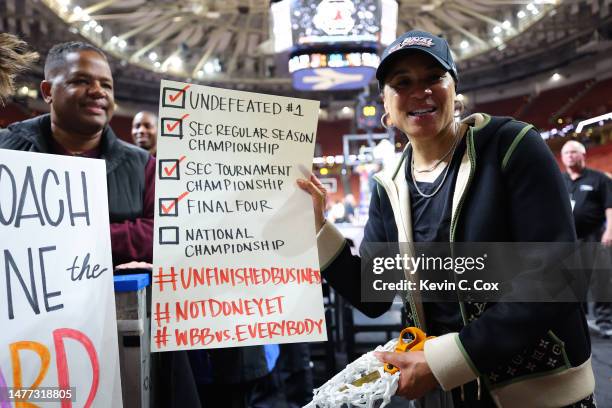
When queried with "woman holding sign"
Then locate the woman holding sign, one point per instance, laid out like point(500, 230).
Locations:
point(484, 179)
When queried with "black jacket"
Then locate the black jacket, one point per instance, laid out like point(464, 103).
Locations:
point(508, 189)
point(124, 163)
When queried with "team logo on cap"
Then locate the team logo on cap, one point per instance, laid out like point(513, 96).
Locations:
point(420, 41)
point(406, 42)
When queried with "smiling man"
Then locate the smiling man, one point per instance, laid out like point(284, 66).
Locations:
point(144, 131)
point(78, 87)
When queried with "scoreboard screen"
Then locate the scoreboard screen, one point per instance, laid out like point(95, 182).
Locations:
point(335, 21)
point(333, 44)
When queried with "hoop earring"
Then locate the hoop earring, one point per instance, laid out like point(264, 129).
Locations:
point(383, 120)
point(459, 106)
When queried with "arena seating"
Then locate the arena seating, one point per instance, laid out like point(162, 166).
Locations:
point(581, 100)
point(596, 101)
point(541, 108)
point(502, 107)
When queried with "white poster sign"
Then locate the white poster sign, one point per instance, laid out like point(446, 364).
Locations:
point(235, 256)
point(58, 341)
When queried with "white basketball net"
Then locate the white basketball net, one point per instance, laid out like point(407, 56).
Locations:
point(330, 395)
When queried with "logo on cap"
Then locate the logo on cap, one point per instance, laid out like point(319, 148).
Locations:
point(407, 42)
point(420, 41)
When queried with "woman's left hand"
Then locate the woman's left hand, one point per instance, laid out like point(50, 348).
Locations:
point(314, 187)
point(416, 378)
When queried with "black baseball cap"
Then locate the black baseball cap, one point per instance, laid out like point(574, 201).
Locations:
point(423, 41)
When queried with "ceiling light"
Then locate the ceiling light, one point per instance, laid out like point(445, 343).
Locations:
point(122, 44)
point(157, 64)
point(497, 29)
point(99, 29)
point(521, 14)
point(530, 7)
point(506, 24)
point(153, 56)
point(175, 62)
point(555, 77)
point(114, 39)
point(200, 73)
point(346, 110)
point(197, 9)
point(209, 68)
point(464, 44)
point(497, 40)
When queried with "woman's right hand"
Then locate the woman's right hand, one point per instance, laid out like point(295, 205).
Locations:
point(318, 193)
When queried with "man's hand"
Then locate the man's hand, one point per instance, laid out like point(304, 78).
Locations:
point(134, 265)
point(416, 378)
point(319, 198)
point(606, 238)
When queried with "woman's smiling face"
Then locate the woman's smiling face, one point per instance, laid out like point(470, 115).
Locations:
point(419, 95)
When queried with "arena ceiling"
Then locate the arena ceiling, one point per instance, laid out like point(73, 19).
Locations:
point(219, 42)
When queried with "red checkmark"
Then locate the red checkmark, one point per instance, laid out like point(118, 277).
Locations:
point(170, 170)
point(176, 123)
point(175, 97)
point(167, 209)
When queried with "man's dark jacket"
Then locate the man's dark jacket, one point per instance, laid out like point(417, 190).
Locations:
point(124, 163)
point(125, 171)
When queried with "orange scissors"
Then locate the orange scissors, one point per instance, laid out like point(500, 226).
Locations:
point(410, 339)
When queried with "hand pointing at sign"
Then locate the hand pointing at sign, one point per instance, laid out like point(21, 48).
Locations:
point(319, 198)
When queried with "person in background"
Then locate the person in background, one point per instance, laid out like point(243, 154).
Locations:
point(79, 89)
point(296, 374)
point(349, 208)
point(482, 179)
point(144, 131)
point(590, 194)
point(337, 213)
point(238, 377)
point(14, 58)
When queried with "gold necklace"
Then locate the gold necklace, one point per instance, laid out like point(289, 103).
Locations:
point(412, 170)
point(436, 164)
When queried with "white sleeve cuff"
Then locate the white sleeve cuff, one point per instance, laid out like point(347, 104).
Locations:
point(449, 362)
point(330, 242)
